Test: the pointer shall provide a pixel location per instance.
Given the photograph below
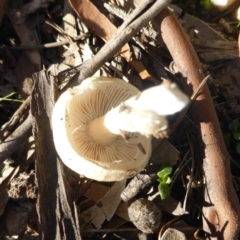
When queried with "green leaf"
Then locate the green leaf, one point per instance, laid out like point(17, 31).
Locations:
point(162, 174)
point(164, 190)
point(169, 180)
point(7, 98)
point(236, 136)
point(238, 148)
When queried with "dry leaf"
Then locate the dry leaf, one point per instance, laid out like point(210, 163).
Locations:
point(106, 206)
point(122, 211)
point(115, 222)
point(167, 154)
point(172, 233)
point(169, 204)
point(96, 191)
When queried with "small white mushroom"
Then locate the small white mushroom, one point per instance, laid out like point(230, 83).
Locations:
point(238, 14)
point(224, 4)
point(88, 121)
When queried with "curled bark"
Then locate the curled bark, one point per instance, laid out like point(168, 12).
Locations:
point(220, 211)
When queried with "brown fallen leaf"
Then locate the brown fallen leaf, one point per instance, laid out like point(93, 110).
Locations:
point(106, 206)
point(97, 191)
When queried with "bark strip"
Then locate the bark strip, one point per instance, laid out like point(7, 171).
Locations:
point(55, 206)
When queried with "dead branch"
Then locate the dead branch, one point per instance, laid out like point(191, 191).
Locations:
point(55, 207)
point(12, 143)
point(221, 213)
point(16, 118)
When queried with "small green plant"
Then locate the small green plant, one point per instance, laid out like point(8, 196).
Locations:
point(7, 98)
point(235, 129)
point(164, 181)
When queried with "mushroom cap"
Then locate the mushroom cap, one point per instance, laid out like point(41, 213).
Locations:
point(73, 112)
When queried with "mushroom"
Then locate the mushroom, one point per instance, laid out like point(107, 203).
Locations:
point(222, 3)
point(88, 123)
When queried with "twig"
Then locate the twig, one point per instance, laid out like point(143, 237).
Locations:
point(60, 30)
point(122, 36)
point(51, 45)
point(106, 230)
point(189, 184)
point(135, 14)
point(117, 11)
point(167, 225)
point(12, 143)
point(186, 159)
point(6, 129)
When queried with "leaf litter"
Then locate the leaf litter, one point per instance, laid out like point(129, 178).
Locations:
point(142, 62)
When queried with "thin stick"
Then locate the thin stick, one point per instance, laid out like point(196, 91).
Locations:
point(51, 45)
point(105, 230)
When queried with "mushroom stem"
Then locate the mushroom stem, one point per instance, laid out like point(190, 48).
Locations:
point(100, 133)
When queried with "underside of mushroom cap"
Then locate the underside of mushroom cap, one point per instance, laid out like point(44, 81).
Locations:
point(73, 112)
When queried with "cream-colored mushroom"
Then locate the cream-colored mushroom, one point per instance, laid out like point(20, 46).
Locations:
point(88, 122)
point(224, 4)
